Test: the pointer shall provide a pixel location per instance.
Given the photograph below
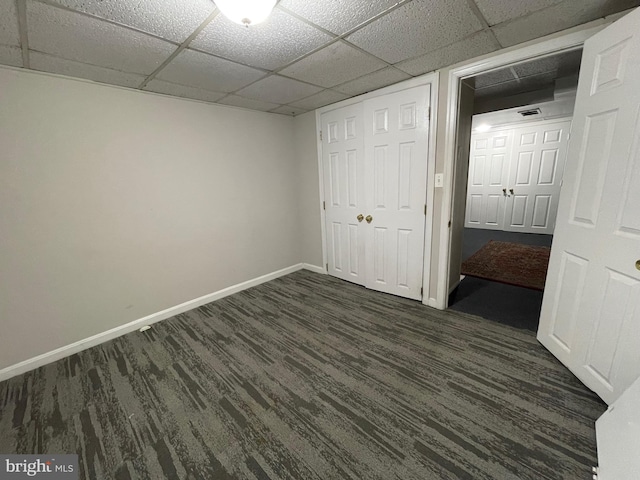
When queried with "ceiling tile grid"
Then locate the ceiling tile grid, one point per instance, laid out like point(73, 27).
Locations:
point(306, 55)
point(170, 19)
point(199, 70)
point(333, 65)
point(9, 35)
point(85, 39)
point(270, 45)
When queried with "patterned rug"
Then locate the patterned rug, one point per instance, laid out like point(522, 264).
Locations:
point(510, 263)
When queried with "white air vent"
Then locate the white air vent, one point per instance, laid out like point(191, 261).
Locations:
point(528, 113)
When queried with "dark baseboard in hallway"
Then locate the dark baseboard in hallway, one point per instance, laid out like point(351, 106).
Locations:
point(514, 306)
point(309, 377)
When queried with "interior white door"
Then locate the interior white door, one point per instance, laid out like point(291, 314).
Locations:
point(618, 434)
point(396, 146)
point(533, 188)
point(590, 317)
point(343, 163)
point(489, 161)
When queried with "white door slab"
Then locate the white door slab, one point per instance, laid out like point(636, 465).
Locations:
point(343, 165)
point(489, 161)
point(590, 317)
point(535, 175)
point(396, 146)
point(618, 435)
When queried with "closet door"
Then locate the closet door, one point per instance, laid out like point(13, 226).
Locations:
point(343, 165)
point(396, 146)
point(537, 165)
point(488, 176)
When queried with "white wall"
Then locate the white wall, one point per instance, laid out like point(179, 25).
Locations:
point(306, 151)
point(116, 204)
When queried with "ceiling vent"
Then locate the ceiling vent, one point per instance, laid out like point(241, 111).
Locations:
point(529, 113)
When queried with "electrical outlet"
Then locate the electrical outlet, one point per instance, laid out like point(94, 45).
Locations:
point(439, 180)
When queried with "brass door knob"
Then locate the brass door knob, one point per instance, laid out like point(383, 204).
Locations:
point(511, 191)
point(360, 217)
point(504, 192)
point(638, 264)
point(369, 219)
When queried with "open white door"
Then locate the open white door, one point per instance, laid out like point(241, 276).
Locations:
point(618, 433)
point(590, 317)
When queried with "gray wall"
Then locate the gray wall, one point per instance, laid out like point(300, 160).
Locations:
point(118, 204)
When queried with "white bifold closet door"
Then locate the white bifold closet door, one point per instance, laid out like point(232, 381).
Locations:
point(515, 175)
point(374, 157)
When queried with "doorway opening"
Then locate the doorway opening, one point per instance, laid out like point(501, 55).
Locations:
point(513, 129)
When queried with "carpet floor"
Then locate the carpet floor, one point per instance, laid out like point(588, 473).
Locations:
point(309, 377)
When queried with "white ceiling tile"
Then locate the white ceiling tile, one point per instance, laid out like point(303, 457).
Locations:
point(326, 97)
point(84, 39)
point(493, 78)
point(335, 64)
point(564, 15)
point(204, 71)
point(373, 81)
point(9, 23)
point(270, 45)
point(288, 110)
point(48, 63)
point(172, 89)
point(474, 46)
point(10, 56)
point(497, 11)
point(237, 101)
point(277, 89)
point(338, 16)
point(416, 28)
point(171, 19)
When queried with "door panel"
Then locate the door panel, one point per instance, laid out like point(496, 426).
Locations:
point(534, 180)
point(488, 175)
point(590, 317)
point(396, 139)
point(343, 164)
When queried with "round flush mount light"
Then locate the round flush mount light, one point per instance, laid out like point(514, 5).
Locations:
point(246, 12)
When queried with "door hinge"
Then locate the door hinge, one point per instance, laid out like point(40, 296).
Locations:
point(421, 291)
point(324, 205)
point(320, 135)
point(327, 267)
point(449, 223)
point(429, 113)
point(425, 209)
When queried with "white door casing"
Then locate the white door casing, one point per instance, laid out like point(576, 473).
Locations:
point(590, 318)
point(343, 168)
point(396, 145)
point(533, 187)
point(374, 160)
point(488, 176)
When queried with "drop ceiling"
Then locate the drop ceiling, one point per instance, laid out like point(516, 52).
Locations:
point(308, 54)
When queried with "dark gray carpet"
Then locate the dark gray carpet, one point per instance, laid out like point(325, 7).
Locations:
point(515, 306)
point(309, 377)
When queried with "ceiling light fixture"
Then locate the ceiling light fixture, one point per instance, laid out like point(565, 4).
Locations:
point(484, 127)
point(246, 12)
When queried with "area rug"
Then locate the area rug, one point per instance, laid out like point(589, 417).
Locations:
point(510, 263)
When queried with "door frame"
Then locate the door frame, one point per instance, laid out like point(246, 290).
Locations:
point(431, 79)
point(568, 40)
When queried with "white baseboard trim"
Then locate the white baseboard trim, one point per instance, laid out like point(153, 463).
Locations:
point(314, 268)
point(62, 352)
